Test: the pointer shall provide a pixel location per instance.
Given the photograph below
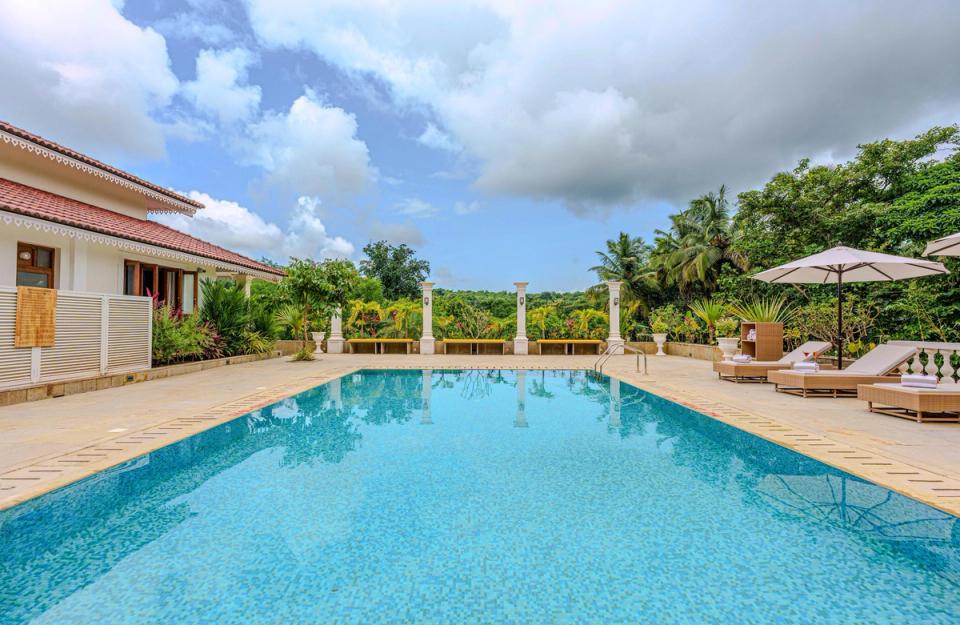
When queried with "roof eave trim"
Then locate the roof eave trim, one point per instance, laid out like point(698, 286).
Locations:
point(175, 205)
point(80, 234)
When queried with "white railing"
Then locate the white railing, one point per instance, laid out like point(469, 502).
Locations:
point(96, 334)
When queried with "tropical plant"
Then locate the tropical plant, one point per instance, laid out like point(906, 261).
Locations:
point(726, 327)
point(177, 338)
point(690, 329)
point(365, 318)
point(626, 261)
point(263, 320)
point(291, 318)
point(666, 319)
point(702, 240)
point(709, 311)
point(541, 319)
point(589, 324)
point(818, 320)
point(319, 289)
point(763, 309)
point(405, 316)
point(225, 307)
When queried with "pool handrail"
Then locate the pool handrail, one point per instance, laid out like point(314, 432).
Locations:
point(612, 350)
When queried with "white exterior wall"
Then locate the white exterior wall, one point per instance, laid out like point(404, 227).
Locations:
point(80, 265)
point(43, 173)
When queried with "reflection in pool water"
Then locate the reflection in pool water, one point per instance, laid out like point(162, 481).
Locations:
point(476, 496)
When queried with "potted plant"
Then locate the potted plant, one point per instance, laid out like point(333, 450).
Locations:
point(727, 339)
point(659, 328)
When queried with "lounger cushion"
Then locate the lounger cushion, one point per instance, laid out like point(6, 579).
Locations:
point(881, 359)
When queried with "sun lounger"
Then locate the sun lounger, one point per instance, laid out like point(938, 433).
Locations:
point(916, 404)
point(756, 371)
point(872, 368)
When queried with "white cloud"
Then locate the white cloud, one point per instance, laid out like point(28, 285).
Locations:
point(79, 71)
point(466, 208)
point(237, 228)
point(307, 236)
point(606, 103)
point(312, 148)
point(433, 137)
point(220, 90)
point(417, 208)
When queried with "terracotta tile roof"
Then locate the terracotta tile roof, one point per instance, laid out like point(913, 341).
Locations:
point(83, 158)
point(32, 202)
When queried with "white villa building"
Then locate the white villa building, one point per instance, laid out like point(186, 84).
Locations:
point(72, 223)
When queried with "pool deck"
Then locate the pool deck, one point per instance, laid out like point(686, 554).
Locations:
point(53, 442)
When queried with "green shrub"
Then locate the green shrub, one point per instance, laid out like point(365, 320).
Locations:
point(178, 338)
point(226, 308)
point(727, 327)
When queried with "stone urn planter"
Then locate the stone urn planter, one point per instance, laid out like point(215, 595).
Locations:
point(318, 339)
point(728, 346)
point(660, 339)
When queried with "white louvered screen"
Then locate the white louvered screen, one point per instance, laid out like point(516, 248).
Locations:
point(76, 349)
point(14, 362)
point(128, 333)
point(84, 320)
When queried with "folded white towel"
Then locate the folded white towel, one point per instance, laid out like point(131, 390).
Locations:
point(806, 366)
point(742, 358)
point(918, 380)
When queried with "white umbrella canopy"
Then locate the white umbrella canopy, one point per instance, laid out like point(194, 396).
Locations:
point(846, 264)
point(947, 246)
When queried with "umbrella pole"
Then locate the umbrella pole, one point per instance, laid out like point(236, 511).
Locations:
point(840, 320)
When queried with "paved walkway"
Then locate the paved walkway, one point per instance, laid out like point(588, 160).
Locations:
point(49, 443)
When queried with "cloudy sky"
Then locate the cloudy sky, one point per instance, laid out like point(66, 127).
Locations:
point(504, 140)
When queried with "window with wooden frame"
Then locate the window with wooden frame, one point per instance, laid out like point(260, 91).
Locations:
point(175, 287)
point(35, 265)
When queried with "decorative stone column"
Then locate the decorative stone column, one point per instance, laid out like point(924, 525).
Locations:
point(335, 341)
point(426, 335)
point(614, 339)
point(247, 284)
point(520, 341)
point(335, 401)
point(614, 422)
point(427, 385)
point(521, 419)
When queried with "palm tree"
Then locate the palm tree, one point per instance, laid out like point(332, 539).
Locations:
point(626, 260)
point(405, 314)
point(710, 312)
point(538, 318)
point(700, 242)
point(365, 317)
point(292, 316)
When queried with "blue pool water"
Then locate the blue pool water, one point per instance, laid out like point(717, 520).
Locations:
point(476, 497)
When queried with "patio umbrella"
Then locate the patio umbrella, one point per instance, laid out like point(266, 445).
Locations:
point(845, 264)
point(947, 246)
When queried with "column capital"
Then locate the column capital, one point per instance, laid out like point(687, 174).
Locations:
point(614, 284)
point(521, 285)
point(426, 286)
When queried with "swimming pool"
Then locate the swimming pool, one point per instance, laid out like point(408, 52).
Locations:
point(476, 497)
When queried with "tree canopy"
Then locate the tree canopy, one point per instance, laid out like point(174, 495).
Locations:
point(397, 267)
